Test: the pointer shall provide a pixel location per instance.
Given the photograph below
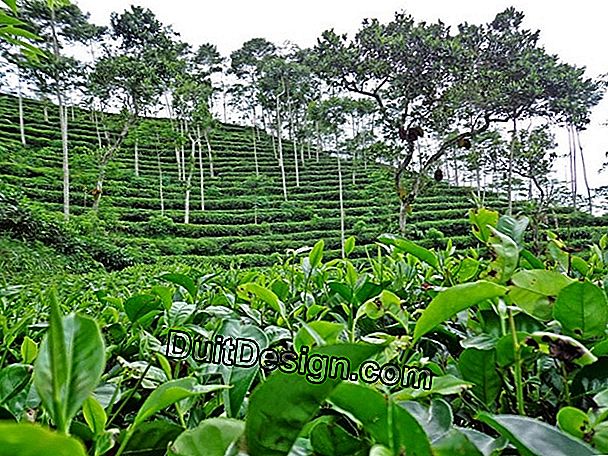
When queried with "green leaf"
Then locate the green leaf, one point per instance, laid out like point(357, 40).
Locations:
point(168, 394)
point(152, 438)
point(573, 421)
point(55, 4)
point(512, 227)
point(546, 283)
point(479, 367)
point(165, 294)
point(579, 265)
point(33, 440)
point(20, 32)
point(409, 247)
point(349, 245)
point(600, 437)
point(504, 349)
point(376, 307)
point(483, 341)
point(507, 255)
point(329, 439)
point(436, 420)
point(267, 296)
point(13, 380)
point(183, 281)
point(487, 445)
point(601, 399)
point(443, 385)
point(532, 260)
point(374, 412)
point(142, 307)
point(582, 310)
point(380, 450)
point(535, 438)
point(534, 304)
point(94, 415)
point(239, 378)
point(29, 350)
point(280, 407)
point(212, 437)
point(601, 348)
point(318, 333)
point(316, 254)
point(12, 4)
point(69, 365)
point(591, 379)
point(467, 270)
point(481, 219)
point(453, 300)
point(455, 443)
point(561, 347)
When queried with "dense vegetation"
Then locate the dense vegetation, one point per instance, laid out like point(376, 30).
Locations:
point(121, 224)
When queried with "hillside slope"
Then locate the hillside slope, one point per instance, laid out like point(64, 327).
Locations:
point(244, 219)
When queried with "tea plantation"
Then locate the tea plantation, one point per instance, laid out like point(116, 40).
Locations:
point(246, 220)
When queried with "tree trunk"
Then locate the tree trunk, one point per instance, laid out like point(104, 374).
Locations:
point(292, 134)
point(179, 163)
point(580, 148)
point(160, 179)
point(319, 142)
point(136, 157)
point(169, 109)
point(200, 166)
point(183, 150)
point(107, 157)
point(255, 146)
point(573, 173)
point(66, 166)
point(45, 111)
point(510, 175)
point(209, 153)
point(189, 182)
point(404, 203)
point(96, 120)
point(21, 121)
point(304, 140)
point(295, 160)
point(257, 130)
point(274, 147)
point(223, 102)
point(341, 195)
point(355, 147)
point(63, 124)
point(403, 210)
point(280, 147)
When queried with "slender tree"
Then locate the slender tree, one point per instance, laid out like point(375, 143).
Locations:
point(133, 74)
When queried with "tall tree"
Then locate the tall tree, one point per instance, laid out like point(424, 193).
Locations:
point(59, 23)
point(15, 32)
point(452, 87)
point(246, 65)
point(132, 74)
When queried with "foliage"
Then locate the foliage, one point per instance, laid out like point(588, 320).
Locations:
point(494, 338)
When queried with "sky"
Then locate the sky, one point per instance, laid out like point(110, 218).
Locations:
point(576, 31)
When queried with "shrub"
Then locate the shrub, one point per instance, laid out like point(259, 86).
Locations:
point(434, 233)
point(160, 225)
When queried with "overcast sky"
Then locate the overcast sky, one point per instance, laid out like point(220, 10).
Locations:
point(576, 31)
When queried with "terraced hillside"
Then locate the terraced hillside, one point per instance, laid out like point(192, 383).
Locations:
point(245, 218)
